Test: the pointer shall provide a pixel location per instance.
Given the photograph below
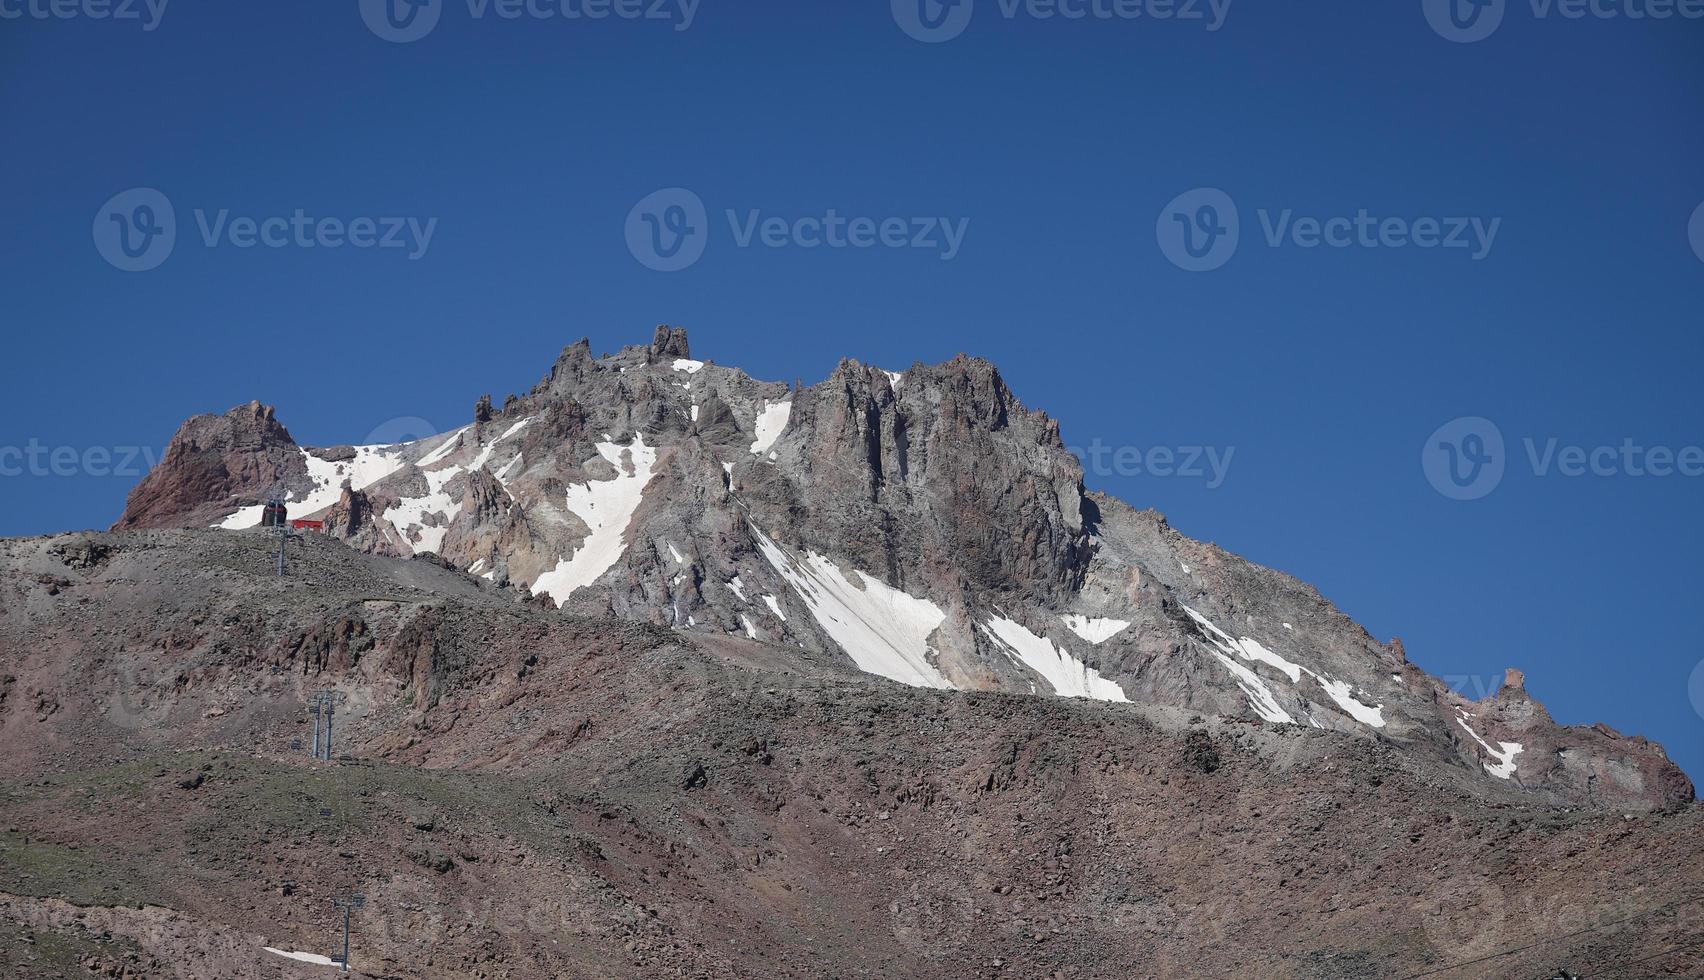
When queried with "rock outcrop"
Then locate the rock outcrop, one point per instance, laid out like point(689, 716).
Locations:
point(214, 463)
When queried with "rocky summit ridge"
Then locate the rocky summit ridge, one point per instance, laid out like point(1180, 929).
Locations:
point(921, 525)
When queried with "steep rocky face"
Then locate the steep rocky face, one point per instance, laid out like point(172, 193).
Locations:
point(212, 462)
point(922, 525)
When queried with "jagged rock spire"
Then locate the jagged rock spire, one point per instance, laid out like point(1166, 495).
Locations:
point(670, 342)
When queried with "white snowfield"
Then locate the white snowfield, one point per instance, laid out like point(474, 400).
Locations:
point(607, 508)
point(771, 422)
point(1504, 754)
point(443, 451)
point(484, 456)
point(410, 515)
point(1362, 713)
point(1096, 631)
point(370, 465)
point(314, 958)
point(1068, 676)
point(424, 521)
point(688, 365)
point(1260, 697)
point(885, 631)
point(373, 464)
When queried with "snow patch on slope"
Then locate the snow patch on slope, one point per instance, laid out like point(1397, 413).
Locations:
point(1095, 631)
point(1259, 695)
point(1262, 700)
point(411, 513)
point(314, 958)
point(688, 365)
point(443, 451)
point(1504, 754)
point(370, 465)
point(1069, 677)
point(771, 422)
point(1362, 713)
point(1245, 648)
point(885, 631)
point(607, 508)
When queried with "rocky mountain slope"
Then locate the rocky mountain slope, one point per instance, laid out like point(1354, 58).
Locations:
point(523, 792)
point(924, 526)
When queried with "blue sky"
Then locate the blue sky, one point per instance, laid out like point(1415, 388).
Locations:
point(1055, 146)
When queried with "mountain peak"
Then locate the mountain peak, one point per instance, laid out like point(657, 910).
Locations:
point(924, 526)
point(670, 342)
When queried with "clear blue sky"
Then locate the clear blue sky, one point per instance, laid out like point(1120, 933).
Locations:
point(1061, 141)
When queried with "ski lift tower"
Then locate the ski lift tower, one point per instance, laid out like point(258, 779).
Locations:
point(348, 904)
point(324, 703)
point(277, 517)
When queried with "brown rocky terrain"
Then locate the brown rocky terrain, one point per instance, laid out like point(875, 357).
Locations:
point(522, 792)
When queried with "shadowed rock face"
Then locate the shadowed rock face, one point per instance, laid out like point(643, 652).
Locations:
point(924, 525)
